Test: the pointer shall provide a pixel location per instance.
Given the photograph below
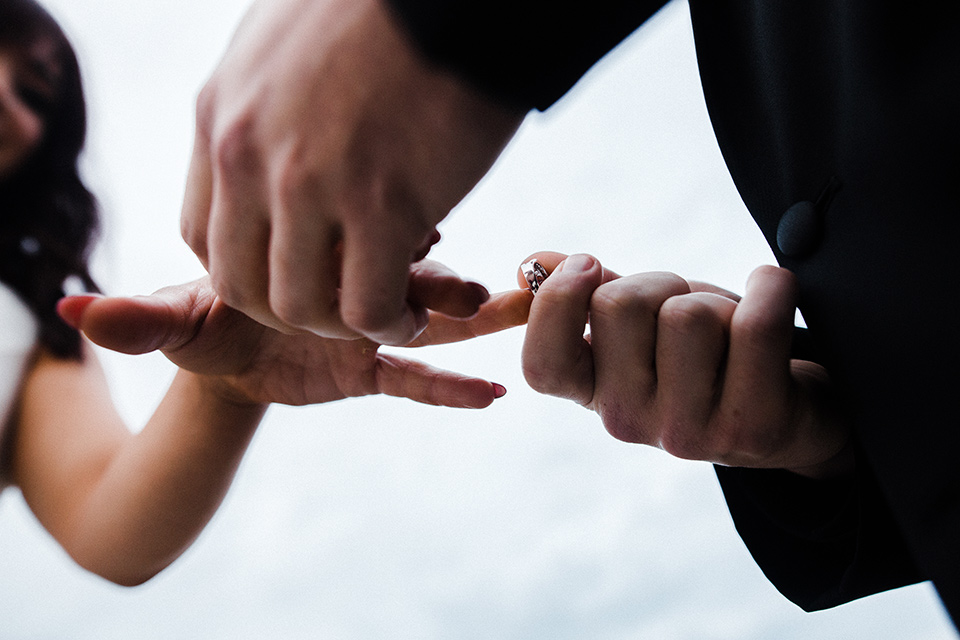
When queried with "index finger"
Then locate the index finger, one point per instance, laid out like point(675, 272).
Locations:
point(504, 310)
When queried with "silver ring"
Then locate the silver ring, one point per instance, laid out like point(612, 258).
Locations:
point(534, 273)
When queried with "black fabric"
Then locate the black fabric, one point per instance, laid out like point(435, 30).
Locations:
point(863, 95)
point(527, 53)
point(821, 542)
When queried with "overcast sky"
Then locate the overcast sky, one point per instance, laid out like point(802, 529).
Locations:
point(378, 518)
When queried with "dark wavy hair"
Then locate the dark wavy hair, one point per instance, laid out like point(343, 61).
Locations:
point(48, 217)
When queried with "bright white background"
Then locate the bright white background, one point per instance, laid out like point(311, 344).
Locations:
point(378, 518)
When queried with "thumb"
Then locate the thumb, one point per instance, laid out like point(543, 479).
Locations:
point(167, 319)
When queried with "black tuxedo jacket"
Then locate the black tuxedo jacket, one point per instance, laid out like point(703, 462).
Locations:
point(839, 121)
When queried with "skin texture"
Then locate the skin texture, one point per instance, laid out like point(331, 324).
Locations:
point(126, 505)
point(684, 366)
point(326, 152)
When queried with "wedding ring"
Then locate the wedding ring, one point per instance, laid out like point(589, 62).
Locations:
point(534, 273)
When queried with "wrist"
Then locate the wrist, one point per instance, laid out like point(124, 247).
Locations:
point(220, 393)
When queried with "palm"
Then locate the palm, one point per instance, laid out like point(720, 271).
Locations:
point(301, 369)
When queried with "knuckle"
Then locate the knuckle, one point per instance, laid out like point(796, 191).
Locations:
point(757, 327)
point(681, 445)
point(292, 311)
point(635, 295)
point(204, 110)
point(626, 425)
point(287, 179)
point(194, 235)
point(783, 277)
point(537, 375)
point(295, 181)
point(768, 271)
point(620, 303)
point(234, 148)
point(544, 378)
point(687, 315)
point(370, 319)
point(544, 382)
point(611, 303)
point(683, 438)
point(770, 316)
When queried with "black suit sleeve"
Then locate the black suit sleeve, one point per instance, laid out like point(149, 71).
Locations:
point(526, 53)
point(820, 542)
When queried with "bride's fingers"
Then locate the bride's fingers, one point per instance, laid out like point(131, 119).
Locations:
point(424, 383)
point(503, 311)
point(140, 324)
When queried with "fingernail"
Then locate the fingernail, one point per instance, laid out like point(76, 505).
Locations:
point(71, 308)
point(578, 262)
point(499, 390)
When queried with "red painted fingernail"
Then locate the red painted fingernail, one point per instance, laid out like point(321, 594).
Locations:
point(71, 308)
point(499, 390)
